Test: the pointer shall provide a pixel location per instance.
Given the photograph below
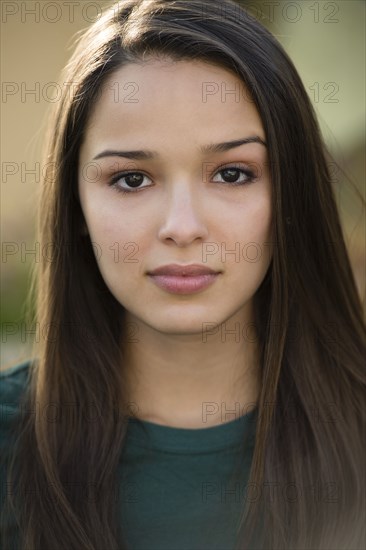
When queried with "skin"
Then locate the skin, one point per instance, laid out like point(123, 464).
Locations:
point(176, 373)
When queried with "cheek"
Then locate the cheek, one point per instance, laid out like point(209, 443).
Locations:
point(250, 223)
point(246, 248)
point(121, 243)
point(106, 221)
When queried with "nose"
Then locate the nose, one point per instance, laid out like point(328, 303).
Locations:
point(183, 220)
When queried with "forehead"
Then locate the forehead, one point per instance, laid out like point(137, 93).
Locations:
point(164, 96)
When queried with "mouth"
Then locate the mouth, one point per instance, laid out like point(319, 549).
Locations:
point(184, 279)
point(184, 284)
point(176, 270)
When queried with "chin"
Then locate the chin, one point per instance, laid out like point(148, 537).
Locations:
point(179, 327)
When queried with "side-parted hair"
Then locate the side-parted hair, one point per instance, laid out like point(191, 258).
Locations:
point(309, 444)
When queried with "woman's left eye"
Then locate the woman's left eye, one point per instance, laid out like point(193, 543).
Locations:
point(231, 173)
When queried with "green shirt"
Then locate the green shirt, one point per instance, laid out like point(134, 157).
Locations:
point(183, 489)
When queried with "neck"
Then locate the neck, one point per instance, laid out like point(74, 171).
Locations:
point(189, 381)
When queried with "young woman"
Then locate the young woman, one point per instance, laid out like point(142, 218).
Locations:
point(200, 380)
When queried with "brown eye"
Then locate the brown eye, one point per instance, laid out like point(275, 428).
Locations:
point(133, 180)
point(231, 175)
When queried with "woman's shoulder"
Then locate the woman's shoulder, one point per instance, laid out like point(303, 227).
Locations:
point(13, 383)
point(13, 380)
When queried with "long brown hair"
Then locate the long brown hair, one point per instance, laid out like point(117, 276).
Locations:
point(308, 455)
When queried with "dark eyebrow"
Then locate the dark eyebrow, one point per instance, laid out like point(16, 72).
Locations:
point(205, 150)
point(227, 145)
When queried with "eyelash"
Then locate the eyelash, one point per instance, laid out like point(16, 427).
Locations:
point(113, 182)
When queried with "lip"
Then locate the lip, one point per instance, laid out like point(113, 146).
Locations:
point(189, 270)
point(184, 285)
point(183, 279)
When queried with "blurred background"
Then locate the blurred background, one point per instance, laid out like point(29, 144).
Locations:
point(326, 41)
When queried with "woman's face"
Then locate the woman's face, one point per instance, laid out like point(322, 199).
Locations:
point(179, 204)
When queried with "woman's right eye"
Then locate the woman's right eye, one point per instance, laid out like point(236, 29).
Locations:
point(132, 179)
